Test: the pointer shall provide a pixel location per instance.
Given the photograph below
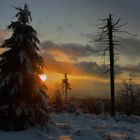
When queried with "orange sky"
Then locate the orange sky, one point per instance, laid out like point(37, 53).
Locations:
point(83, 84)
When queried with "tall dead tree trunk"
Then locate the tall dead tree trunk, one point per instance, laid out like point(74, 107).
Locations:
point(107, 38)
point(111, 55)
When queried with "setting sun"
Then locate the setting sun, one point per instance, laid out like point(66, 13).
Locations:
point(43, 77)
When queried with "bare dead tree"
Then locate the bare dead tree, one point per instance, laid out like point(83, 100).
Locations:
point(107, 39)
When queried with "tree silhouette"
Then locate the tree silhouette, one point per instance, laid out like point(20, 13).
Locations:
point(107, 37)
point(23, 100)
point(128, 94)
point(66, 87)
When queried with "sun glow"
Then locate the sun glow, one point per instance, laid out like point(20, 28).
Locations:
point(43, 77)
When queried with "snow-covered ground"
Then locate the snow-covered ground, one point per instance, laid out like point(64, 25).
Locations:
point(81, 127)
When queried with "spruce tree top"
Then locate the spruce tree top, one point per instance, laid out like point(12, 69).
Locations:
point(24, 37)
point(24, 15)
point(22, 31)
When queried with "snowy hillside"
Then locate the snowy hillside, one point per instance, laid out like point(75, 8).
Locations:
point(81, 127)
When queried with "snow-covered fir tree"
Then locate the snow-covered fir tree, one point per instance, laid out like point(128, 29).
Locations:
point(23, 100)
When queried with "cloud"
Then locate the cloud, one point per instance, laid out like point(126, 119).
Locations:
point(64, 29)
point(135, 69)
point(72, 50)
point(61, 58)
point(90, 69)
point(88, 36)
point(81, 68)
point(130, 47)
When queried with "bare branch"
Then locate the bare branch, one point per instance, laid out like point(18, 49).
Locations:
point(116, 22)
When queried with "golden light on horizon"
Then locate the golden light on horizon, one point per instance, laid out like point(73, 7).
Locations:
point(43, 77)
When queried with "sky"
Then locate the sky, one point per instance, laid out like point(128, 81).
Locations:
point(66, 28)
